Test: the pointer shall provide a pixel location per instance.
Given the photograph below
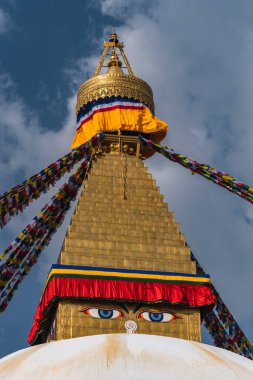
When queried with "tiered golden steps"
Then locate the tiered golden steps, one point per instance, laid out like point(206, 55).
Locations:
point(122, 221)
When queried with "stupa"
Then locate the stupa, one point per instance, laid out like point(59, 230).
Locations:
point(122, 243)
point(124, 266)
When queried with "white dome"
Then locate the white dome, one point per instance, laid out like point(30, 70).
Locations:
point(125, 356)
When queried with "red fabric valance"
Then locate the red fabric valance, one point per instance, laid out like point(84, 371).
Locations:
point(92, 288)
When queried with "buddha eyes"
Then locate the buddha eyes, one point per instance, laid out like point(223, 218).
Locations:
point(103, 313)
point(157, 316)
point(151, 316)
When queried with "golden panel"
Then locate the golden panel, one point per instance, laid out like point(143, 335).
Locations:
point(72, 322)
point(122, 221)
point(62, 328)
point(109, 85)
point(194, 326)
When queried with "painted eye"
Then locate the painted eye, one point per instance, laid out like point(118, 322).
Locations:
point(157, 316)
point(103, 313)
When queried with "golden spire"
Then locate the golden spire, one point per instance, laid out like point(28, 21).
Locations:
point(113, 43)
point(114, 64)
point(114, 37)
point(114, 82)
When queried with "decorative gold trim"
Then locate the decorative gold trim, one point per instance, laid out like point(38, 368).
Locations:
point(194, 326)
point(115, 85)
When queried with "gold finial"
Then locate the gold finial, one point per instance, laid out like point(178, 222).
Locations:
point(114, 59)
point(114, 43)
point(114, 37)
point(114, 64)
point(115, 82)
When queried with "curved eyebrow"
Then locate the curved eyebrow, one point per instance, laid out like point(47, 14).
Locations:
point(110, 306)
point(137, 307)
point(119, 304)
point(123, 307)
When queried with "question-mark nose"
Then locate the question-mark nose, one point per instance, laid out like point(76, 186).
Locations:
point(130, 327)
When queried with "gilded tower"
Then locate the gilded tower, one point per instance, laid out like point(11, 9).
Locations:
point(124, 265)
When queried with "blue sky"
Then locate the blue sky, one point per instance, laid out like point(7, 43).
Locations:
point(197, 56)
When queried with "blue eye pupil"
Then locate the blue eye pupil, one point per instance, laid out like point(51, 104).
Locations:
point(105, 313)
point(156, 317)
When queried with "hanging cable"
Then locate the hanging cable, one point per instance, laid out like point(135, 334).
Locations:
point(23, 253)
point(220, 178)
point(15, 200)
point(222, 326)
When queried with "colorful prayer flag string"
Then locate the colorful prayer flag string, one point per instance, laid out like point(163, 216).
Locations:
point(222, 326)
point(23, 253)
point(15, 200)
point(219, 322)
point(220, 178)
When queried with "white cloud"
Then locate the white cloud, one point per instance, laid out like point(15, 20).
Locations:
point(25, 149)
point(81, 69)
point(119, 9)
point(25, 146)
point(5, 22)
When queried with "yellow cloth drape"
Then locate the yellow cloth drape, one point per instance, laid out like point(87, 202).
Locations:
point(137, 120)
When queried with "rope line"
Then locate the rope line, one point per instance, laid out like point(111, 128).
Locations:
point(222, 326)
point(23, 253)
point(220, 178)
point(15, 200)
